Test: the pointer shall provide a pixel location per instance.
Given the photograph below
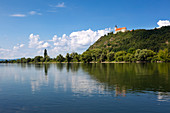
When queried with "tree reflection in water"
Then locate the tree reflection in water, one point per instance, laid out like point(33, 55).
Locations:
point(120, 78)
point(131, 77)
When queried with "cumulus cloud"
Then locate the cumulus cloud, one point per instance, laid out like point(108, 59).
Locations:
point(44, 45)
point(77, 41)
point(163, 23)
point(35, 43)
point(18, 46)
point(83, 39)
point(18, 15)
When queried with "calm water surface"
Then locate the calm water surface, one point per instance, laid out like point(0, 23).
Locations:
point(85, 88)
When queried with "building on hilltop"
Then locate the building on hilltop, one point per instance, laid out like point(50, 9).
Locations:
point(123, 29)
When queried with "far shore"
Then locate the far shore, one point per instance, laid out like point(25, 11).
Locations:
point(93, 62)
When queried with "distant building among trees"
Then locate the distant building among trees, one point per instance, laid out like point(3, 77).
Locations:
point(123, 29)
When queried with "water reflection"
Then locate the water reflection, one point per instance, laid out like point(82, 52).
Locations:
point(163, 96)
point(102, 78)
point(82, 87)
point(46, 67)
point(37, 77)
point(60, 66)
point(123, 78)
point(120, 78)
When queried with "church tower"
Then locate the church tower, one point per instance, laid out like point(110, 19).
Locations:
point(115, 27)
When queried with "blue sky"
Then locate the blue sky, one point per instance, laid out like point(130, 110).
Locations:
point(27, 27)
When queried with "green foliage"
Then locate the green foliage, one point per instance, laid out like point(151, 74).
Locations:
point(60, 58)
point(137, 45)
point(95, 53)
point(76, 58)
point(131, 50)
point(128, 57)
point(120, 55)
point(163, 55)
point(37, 59)
point(45, 53)
point(23, 60)
point(144, 55)
point(154, 39)
point(68, 58)
point(110, 56)
point(86, 57)
point(28, 60)
point(103, 57)
point(42, 59)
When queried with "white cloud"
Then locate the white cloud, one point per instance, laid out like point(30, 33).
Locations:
point(18, 15)
point(18, 46)
point(34, 40)
point(44, 45)
point(53, 39)
point(24, 15)
point(4, 50)
point(163, 23)
point(60, 5)
point(83, 39)
point(35, 43)
point(34, 13)
point(15, 47)
point(4, 53)
point(21, 45)
point(77, 41)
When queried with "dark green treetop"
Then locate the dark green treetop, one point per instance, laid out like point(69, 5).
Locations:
point(45, 53)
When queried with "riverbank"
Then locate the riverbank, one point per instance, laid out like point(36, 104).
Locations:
point(92, 62)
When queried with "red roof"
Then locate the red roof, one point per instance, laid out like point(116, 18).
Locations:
point(118, 29)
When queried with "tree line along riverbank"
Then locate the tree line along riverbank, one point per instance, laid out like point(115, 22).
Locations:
point(132, 46)
point(100, 56)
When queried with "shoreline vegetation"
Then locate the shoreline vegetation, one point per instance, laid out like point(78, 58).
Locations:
point(136, 46)
point(101, 56)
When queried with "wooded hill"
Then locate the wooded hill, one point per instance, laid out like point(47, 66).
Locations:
point(131, 46)
point(155, 39)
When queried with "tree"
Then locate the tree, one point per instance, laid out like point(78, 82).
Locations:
point(144, 55)
point(120, 55)
point(163, 55)
point(23, 60)
point(128, 57)
point(45, 53)
point(131, 50)
point(96, 53)
point(42, 59)
point(60, 58)
point(110, 56)
point(86, 57)
point(76, 58)
point(18, 61)
point(68, 58)
point(37, 59)
point(47, 59)
point(28, 60)
point(103, 57)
